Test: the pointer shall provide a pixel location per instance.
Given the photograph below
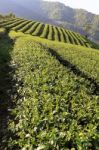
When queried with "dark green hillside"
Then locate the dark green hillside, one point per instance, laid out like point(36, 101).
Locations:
point(46, 31)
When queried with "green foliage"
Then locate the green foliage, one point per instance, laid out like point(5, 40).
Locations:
point(6, 22)
point(38, 30)
point(14, 23)
point(55, 106)
point(50, 34)
point(56, 37)
point(72, 40)
point(26, 27)
point(32, 29)
point(46, 31)
point(55, 109)
point(62, 38)
point(2, 32)
point(18, 27)
point(66, 36)
point(85, 59)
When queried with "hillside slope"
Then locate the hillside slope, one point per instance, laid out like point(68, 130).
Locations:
point(48, 94)
point(57, 13)
point(46, 31)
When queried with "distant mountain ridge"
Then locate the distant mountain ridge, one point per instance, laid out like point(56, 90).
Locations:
point(55, 13)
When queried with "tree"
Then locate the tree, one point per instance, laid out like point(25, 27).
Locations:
point(87, 28)
point(10, 15)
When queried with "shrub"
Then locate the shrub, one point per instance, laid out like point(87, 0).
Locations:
point(2, 32)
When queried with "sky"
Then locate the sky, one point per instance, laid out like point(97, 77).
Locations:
point(90, 5)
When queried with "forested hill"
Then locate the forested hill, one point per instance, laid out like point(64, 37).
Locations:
point(75, 19)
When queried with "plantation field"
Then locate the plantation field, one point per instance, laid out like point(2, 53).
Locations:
point(50, 92)
point(46, 31)
point(77, 57)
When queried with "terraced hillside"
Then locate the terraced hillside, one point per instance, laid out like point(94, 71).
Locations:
point(49, 88)
point(46, 31)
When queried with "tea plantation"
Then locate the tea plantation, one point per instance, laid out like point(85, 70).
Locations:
point(49, 88)
point(46, 31)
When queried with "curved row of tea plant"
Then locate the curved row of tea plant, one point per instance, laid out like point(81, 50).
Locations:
point(46, 31)
point(56, 37)
point(77, 57)
point(32, 28)
point(55, 109)
point(51, 33)
point(26, 27)
point(8, 22)
point(38, 30)
point(14, 24)
point(18, 27)
point(85, 60)
point(61, 35)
